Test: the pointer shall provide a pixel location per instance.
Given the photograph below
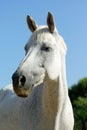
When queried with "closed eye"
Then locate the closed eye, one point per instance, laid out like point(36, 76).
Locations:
point(45, 48)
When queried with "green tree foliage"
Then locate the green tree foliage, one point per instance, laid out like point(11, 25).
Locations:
point(81, 108)
point(78, 96)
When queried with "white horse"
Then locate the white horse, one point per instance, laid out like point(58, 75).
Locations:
point(41, 78)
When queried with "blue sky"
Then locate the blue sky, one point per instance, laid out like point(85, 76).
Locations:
point(71, 21)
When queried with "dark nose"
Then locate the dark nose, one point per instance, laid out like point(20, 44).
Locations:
point(18, 79)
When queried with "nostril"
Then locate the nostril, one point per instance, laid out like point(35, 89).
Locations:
point(18, 80)
point(22, 80)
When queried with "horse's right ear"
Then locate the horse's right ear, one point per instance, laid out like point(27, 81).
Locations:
point(31, 23)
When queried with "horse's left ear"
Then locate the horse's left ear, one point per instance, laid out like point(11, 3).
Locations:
point(50, 22)
point(31, 23)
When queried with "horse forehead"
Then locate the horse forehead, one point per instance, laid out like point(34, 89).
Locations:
point(44, 37)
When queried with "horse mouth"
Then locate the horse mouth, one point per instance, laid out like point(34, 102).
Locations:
point(21, 92)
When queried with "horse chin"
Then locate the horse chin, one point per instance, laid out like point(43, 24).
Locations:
point(21, 92)
point(39, 81)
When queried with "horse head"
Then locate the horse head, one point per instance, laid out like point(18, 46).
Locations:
point(42, 59)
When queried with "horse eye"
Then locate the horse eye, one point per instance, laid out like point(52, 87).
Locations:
point(45, 48)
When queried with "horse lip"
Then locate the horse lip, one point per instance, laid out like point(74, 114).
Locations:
point(21, 92)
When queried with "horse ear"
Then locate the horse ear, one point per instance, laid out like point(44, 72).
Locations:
point(50, 22)
point(31, 23)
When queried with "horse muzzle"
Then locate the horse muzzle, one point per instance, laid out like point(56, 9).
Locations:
point(18, 82)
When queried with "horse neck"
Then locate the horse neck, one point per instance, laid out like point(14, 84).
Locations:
point(55, 93)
